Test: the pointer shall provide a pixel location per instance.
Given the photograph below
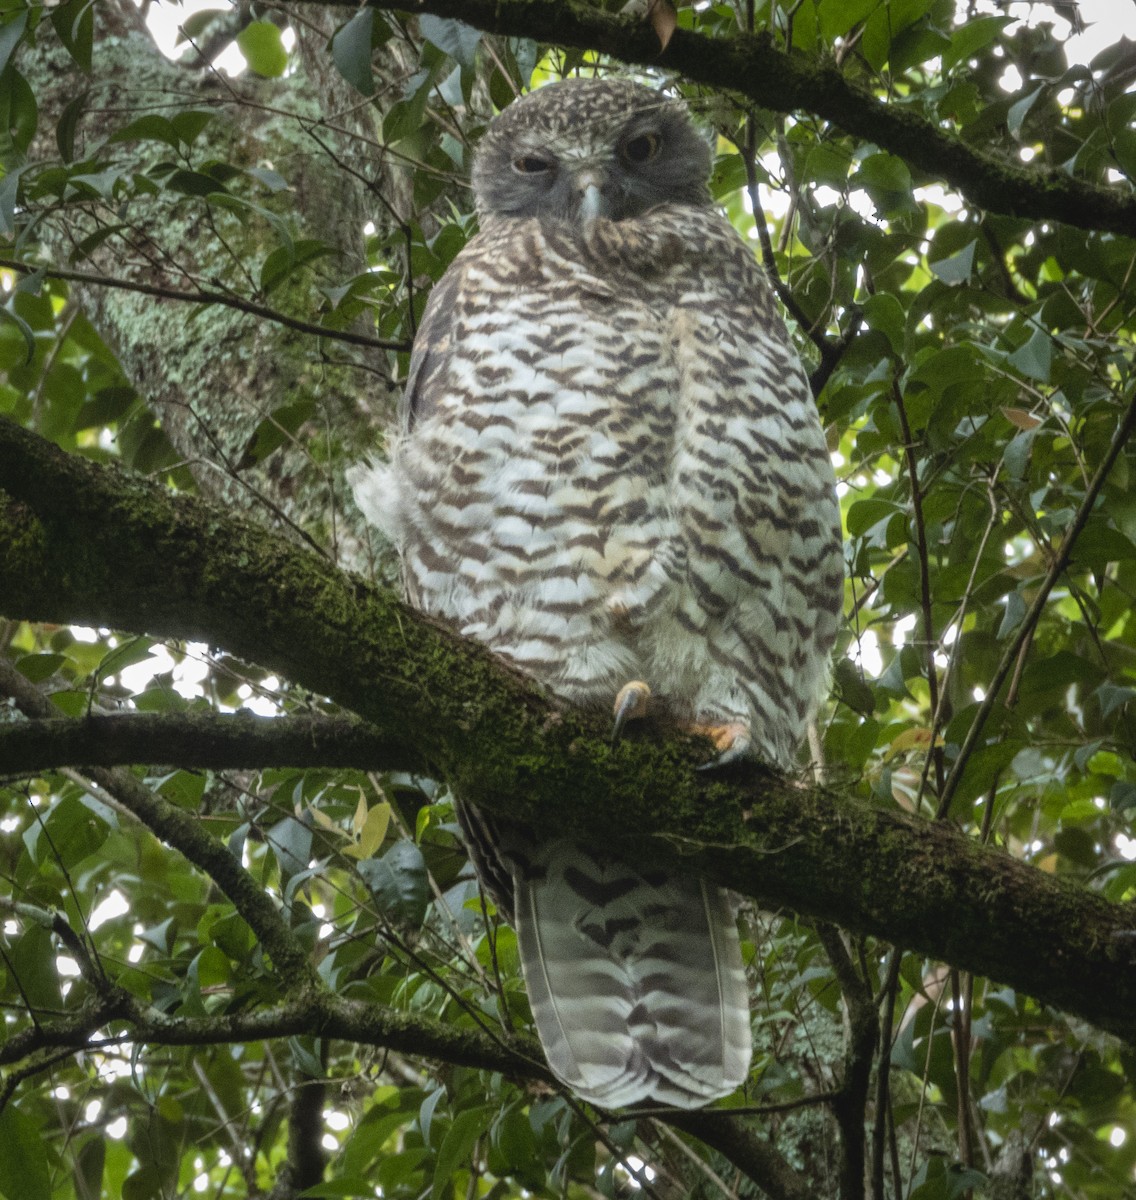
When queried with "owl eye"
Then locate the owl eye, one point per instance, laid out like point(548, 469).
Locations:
point(531, 164)
point(642, 148)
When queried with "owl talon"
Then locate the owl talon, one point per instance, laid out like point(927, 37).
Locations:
point(732, 740)
point(630, 705)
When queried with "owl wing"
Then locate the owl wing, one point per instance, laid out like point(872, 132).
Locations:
point(433, 344)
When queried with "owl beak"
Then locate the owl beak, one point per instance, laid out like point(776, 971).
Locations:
point(593, 201)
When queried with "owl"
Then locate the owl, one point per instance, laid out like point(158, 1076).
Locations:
point(611, 471)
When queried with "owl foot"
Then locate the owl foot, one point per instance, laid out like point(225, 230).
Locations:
point(732, 739)
point(630, 705)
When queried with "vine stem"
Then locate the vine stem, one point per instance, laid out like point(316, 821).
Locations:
point(1026, 629)
point(934, 753)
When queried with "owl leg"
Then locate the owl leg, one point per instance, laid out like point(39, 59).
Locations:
point(732, 739)
point(630, 705)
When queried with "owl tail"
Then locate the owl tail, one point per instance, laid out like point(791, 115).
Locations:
point(635, 980)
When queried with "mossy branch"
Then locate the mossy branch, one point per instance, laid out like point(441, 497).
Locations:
point(207, 740)
point(750, 65)
point(88, 543)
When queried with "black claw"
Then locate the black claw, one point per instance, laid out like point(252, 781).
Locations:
point(631, 704)
point(626, 707)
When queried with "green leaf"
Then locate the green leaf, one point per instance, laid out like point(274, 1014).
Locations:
point(193, 183)
point(351, 51)
point(373, 832)
point(457, 1146)
point(426, 1112)
point(852, 689)
point(290, 840)
point(285, 260)
point(183, 788)
point(210, 968)
point(11, 32)
point(188, 125)
point(971, 36)
point(1015, 611)
point(887, 180)
point(31, 959)
point(263, 47)
point(273, 180)
point(1035, 358)
point(1020, 109)
point(883, 28)
point(6, 314)
point(345, 1187)
point(1122, 796)
point(90, 1163)
point(195, 24)
point(151, 128)
point(458, 40)
point(884, 313)
point(9, 197)
point(275, 430)
point(66, 125)
point(1100, 544)
point(23, 1165)
point(136, 650)
point(74, 23)
point(68, 833)
point(88, 245)
point(866, 514)
point(404, 118)
point(1112, 697)
point(19, 115)
point(836, 17)
point(38, 667)
point(957, 267)
point(398, 882)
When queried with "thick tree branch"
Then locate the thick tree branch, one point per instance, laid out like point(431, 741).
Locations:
point(737, 1142)
point(207, 740)
point(317, 1013)
point(83, 542)
point(751, 66)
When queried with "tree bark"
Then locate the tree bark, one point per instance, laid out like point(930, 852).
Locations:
point(216, 375)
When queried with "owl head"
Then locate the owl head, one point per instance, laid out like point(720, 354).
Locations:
point(586, 148)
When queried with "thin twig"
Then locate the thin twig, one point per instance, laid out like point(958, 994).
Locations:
point(204, 296)
point(1033, 616)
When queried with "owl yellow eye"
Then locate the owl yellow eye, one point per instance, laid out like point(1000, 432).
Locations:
point(531, 164)
point(641, 149)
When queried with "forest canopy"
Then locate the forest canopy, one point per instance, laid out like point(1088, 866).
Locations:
point(242, 952)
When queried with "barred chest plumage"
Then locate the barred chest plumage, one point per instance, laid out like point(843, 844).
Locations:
point(621, 474)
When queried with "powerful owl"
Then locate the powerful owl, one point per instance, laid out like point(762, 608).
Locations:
point(611, 471)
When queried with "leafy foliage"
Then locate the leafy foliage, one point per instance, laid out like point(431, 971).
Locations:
point(974, 371)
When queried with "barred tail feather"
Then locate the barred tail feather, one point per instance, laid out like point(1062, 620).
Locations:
point(635, 979)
